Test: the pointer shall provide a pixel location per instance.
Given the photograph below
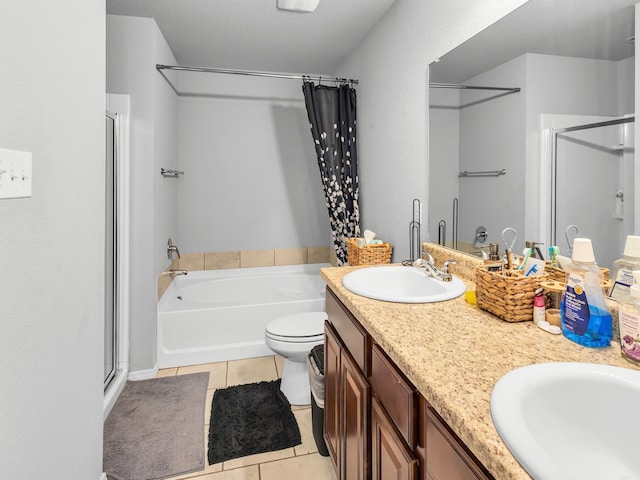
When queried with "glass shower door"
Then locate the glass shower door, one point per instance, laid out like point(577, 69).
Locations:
point(111, 253)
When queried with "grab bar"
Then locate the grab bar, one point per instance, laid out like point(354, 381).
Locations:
point(488, 173)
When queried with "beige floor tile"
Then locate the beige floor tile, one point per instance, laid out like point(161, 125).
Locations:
point(166, 372)
point(217, 373)
point(258, 458)
point(207, 408)
point(246, 473)
point(309, 467)
point(308, 445)
point(251, 370)
point(279, 364)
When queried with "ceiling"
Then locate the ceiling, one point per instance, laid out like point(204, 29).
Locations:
point(595, 29)
point(255, 35)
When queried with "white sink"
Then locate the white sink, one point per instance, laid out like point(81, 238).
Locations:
point(401, 284)
point(570, 420)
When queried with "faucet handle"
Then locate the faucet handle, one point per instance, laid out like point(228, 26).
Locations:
point(172, 248)
point(445, 266)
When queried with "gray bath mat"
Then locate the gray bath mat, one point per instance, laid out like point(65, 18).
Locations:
point(249, 419)
point(155, 429)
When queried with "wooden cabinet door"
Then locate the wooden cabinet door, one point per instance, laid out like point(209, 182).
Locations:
point(355, 421)
point(391, 458)
point(332, 348)
point(447, 458)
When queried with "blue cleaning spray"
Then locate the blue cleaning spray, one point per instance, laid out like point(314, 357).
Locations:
point(586, 319)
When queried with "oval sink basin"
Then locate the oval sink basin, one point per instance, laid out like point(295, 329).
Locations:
point(570, 420)
point(401, 284)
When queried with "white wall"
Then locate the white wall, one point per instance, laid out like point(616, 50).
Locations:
point(493, 130)
point(134, 46)
point(391, 64)
point(444, 150)
point(251, 176)
point(52, 283)
point(578, 86)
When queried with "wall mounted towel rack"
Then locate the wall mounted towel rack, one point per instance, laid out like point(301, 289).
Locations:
point(170, 173)
point(488, 173)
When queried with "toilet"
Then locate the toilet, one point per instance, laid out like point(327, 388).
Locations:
point(293, 337)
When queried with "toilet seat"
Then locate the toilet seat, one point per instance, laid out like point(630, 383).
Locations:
point(297, 328)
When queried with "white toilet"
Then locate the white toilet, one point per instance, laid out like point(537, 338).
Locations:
point(293, 337)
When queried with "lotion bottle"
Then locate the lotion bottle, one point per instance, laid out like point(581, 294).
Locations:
point(585, 316)
point(623, 270)
point(629, 322)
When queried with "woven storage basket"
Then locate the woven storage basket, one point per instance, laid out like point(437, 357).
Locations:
point(508, 296)
point(369, 254)
point(559, 275)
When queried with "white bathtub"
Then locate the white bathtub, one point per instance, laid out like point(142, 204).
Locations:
point(218, 315)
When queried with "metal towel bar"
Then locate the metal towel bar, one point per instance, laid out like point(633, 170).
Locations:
point(489, 173)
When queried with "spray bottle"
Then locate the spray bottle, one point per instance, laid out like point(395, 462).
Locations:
point(586, 319)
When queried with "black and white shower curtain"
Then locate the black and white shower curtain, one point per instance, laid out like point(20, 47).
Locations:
point(332, 115)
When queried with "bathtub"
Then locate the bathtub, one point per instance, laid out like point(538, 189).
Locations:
point(219, 315)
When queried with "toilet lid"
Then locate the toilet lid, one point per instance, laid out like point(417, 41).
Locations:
point(300, 325)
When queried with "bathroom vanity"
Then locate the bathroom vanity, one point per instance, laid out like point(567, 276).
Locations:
point(408, 386)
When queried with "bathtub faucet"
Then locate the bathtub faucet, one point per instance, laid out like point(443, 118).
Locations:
point(175, 273)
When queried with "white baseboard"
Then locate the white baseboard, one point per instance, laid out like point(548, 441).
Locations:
point(144, 374)
point(103, 476)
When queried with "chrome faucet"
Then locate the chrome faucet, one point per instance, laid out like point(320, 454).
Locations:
point(431, 270)
point(174, 273)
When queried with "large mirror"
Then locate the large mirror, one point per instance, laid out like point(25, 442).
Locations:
point(524, 152)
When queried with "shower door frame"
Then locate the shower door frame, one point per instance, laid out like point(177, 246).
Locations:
point(118, 105)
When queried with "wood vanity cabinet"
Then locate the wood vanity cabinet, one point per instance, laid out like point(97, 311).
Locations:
point(347, 396)
point(376, 424)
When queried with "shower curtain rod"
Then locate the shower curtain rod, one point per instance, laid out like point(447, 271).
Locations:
point(473, 87)
point(255, 73)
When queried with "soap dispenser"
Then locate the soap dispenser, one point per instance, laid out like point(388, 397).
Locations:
point(586, 319)
point(629, 322)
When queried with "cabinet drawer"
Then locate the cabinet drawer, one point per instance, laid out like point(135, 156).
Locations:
point(396, 394)
point(447, 458)
point(353, 335)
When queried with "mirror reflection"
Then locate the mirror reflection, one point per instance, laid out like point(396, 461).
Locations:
point(494, 151)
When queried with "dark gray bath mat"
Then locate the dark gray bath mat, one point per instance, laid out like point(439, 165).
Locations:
point(155, 429)
point(250, 419)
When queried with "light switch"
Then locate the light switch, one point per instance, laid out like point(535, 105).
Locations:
point(15, 174)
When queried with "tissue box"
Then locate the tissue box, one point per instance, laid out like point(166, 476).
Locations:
point(368, 254)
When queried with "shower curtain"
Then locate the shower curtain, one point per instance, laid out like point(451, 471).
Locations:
point(332, 115)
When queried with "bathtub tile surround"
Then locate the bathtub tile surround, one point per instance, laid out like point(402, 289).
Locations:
point(257, 258)
point(191, 261)
point(246, 259)
point(302, 461)
point(291, 256)
point(221, 260)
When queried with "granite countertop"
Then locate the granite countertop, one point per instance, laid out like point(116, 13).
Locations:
point(454, 353)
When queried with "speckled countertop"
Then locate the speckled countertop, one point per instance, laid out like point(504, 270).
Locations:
point(454, 353)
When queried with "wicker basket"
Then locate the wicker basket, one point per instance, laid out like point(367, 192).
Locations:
point(559, 275)
point(508, 296)
point(368, 254)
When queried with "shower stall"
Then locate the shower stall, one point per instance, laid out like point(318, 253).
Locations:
point(591, 190)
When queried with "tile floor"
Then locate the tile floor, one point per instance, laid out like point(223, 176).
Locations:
point(300, 462)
